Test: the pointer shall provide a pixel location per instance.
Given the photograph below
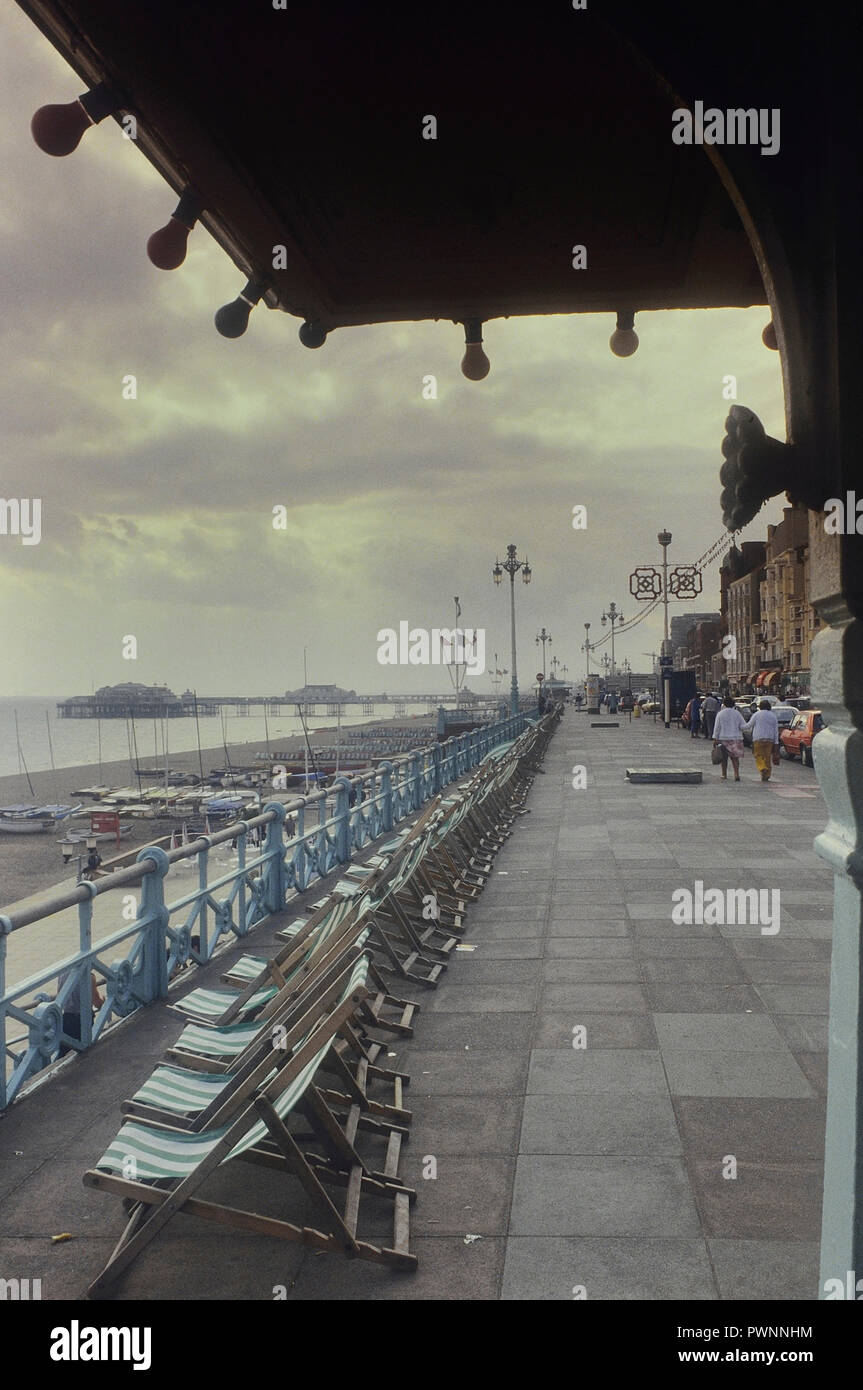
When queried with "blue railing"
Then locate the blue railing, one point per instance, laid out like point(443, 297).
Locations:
point(174, 926)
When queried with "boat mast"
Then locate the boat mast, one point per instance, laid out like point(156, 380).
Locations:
point(198, 737)
point(22, 761)
point(51, 753)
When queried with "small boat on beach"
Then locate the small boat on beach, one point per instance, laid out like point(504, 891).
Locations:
point(76, 835)
point(32, 820)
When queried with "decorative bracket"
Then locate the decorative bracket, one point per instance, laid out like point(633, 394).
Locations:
point(758, 467)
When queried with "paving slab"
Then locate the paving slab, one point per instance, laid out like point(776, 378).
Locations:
point(558, 1195)
point(643, 1269)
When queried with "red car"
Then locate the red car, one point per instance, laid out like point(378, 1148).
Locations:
point(796, 740)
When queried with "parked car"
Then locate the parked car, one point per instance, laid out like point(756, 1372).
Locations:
point(796, 740)
point(785, 715)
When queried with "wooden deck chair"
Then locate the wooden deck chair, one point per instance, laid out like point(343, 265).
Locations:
point(229, 1049)
point(258, 979)
point(261, 985)
point(195, 1101)
point(403, 950)
point(159, 1171)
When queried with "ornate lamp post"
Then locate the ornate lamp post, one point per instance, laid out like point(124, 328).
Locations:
point(664, 539)
point(543, 637)
point(586, 647)
point(612, 616)
point(512, 565)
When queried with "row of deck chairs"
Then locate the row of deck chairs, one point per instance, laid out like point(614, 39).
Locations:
point(285, 1066)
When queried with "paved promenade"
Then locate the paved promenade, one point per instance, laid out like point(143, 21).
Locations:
point(608, 1167)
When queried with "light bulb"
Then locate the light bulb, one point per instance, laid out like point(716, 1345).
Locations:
point(312, 334)
point(768, 337)
point(57, 130)
point(623, 342)
point(232, 319)
point(475, 365)
point(167, 247)
point(624, 339)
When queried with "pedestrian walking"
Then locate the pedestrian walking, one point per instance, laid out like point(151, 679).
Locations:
point(727, 738)
point(694, 716)
point(709, 711)
point(612, 703)
point(765, 738)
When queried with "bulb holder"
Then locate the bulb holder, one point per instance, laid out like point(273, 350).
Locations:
point(57, 129)
point(232, 319)
point(312, 334)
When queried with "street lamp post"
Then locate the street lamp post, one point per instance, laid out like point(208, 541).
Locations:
point(586, 647)
point(664, 539)
point(512, 565)
point(543, 637)
point(612, 616)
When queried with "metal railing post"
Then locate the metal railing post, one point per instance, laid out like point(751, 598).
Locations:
point(386, 775)
point(5, 929)
point(342, 788)
point(275, 887)
point(154, 917)
point(437, 767)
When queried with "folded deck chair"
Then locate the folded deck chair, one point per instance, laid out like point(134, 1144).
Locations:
point(403, 950)
point(193, 1100)
point(159, 1171)
point(306, 939)
point(259, 979)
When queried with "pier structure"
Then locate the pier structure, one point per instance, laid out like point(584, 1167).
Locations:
point(131, 700)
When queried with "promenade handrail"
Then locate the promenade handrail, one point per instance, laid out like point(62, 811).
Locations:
point(165, 936)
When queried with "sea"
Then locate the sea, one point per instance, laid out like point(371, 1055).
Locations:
point(42, 739)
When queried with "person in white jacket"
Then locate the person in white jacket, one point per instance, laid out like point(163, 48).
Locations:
point(727, 733)
point(765, 737)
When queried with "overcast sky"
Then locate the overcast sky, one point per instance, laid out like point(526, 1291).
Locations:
point(157, 513)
